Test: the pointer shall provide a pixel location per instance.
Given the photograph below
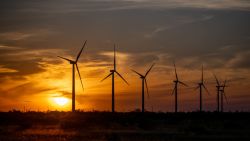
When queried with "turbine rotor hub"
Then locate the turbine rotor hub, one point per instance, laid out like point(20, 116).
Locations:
point(72, 62)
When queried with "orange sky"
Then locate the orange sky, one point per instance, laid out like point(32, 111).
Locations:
point(55, 81)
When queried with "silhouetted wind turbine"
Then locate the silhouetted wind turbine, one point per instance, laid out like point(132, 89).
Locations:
point(74, 63)
point(223, 94)
point(175, 90)
point(200, 86)
point(144, 80)
point(112, 72)
point(218, 86)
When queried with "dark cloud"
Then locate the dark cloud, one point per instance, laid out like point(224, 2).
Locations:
point(64, 93)
point(240, 60)
point(95, 73)
point(138, 60)
point(192, 32)
point(25, 89)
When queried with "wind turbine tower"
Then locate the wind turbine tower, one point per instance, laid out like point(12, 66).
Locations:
point(144, 81)
point(74, 64)
point(175, 90)
point(200, 86)
point(112, 73)
point(222, 95)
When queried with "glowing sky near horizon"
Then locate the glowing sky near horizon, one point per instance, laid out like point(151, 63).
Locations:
point(194, 32)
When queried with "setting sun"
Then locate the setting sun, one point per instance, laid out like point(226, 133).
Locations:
point(61, 101)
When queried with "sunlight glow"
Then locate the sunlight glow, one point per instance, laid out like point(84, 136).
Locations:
point(61, 101)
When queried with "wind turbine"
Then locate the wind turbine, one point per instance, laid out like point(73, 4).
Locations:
point(222, 94)
point(218, 87)
point(144, 80)
point(200, 86)
point(175, 90)
point(74, 64)
point(112, 72)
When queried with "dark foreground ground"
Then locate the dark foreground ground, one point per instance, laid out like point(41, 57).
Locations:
point(104, 126)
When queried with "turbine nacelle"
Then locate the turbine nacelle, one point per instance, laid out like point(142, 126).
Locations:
point(72, 62)
point(142, 77)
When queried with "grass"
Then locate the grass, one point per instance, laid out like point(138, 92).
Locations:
point(105, 126)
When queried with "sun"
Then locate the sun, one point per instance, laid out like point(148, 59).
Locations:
point(61, 100)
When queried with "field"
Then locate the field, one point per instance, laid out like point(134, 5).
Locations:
point(105, 126)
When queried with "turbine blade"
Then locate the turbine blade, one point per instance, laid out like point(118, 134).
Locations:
point(224, 94)
point(176, 76)
point(65, 58)
point(114, 58)
point(217, 81)
point(137, 73)
point(79, 54)
point(106, 77)
point(196, 87)
point(225, 82)
point(202, 79)
point(206, 89)
point(79, 76)
point(121, 77)
point(173, 90)
point(149, 69)
point(146, 86)
point(183, 83)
